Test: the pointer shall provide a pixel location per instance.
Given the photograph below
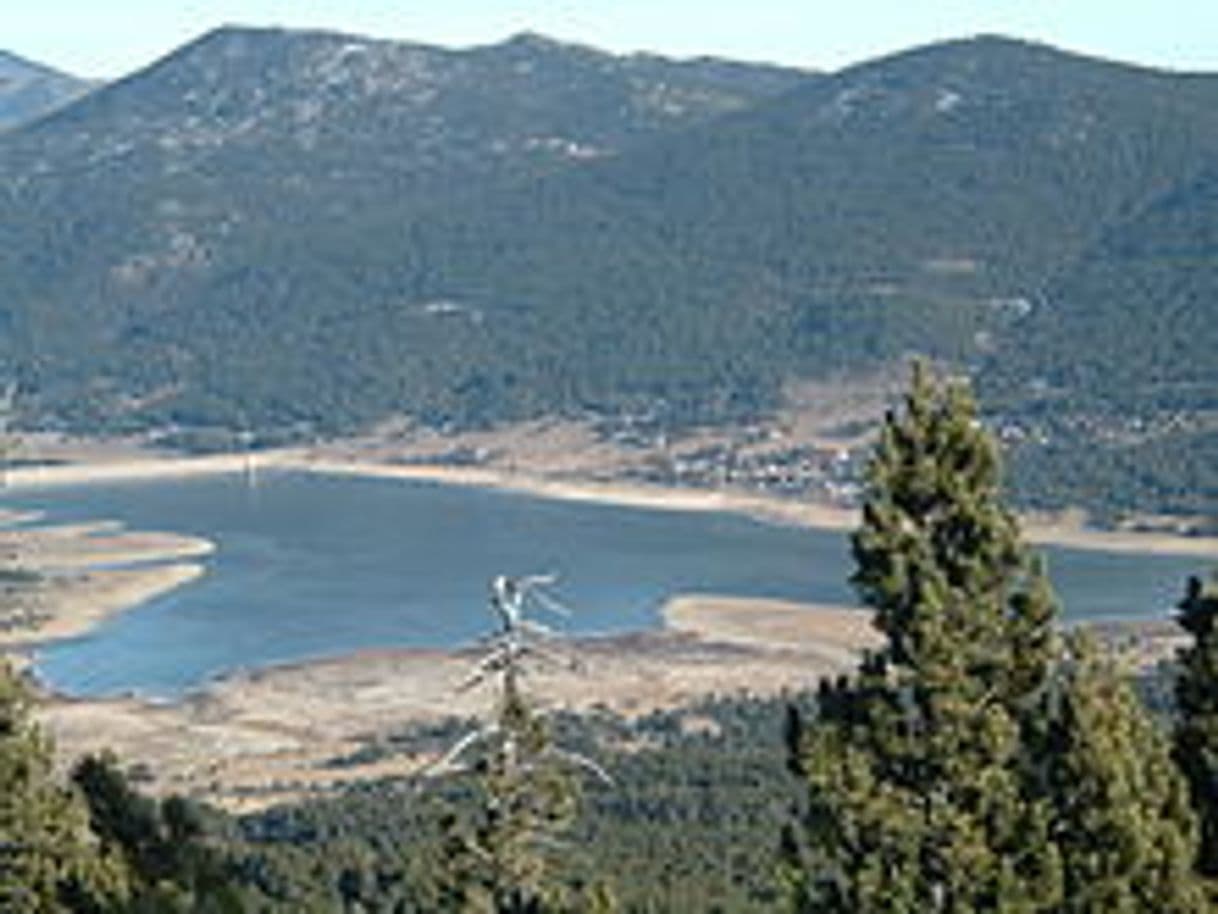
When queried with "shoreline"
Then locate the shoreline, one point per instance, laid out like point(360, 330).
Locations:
point(1069, 533)
point(88, 593)
point(78, 604)
point(257, 737)
point(62, 580)
point(144, 469)
point(764, 508)
point(616, 494)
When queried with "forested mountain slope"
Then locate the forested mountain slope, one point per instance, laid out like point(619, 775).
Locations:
point(919, 202)
point(312, 231)
point(1144, 299)
point(1116, 373)
point(141, 206)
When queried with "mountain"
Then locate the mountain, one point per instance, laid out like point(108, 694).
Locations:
point(138, 206)
point(293, 109)
point(300, 230)
point(29, 90)
point(1144, 299)
point(920, 202)
point(1116, 374)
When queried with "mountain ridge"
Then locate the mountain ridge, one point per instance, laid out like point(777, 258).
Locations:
point(247, 132)
point(30, 90)
point(315, 231)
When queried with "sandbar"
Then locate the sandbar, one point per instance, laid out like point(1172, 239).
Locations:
point(60, 580)
point(67, 606)
point(767, 623)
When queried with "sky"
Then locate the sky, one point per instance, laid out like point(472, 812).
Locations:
point(108, 38)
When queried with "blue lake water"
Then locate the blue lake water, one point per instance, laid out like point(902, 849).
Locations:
point(309, 566)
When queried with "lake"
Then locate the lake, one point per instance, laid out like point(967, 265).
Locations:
point(308, 566)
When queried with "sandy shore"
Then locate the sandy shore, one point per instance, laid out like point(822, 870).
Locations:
point(1076, 536)
point(1066, 530)
point(10, 518)
point(60, 580)
point(63, 546)
point(271, 735)
point(609, 493)
point(127, 468)
point(67, 606)
point(836, 632)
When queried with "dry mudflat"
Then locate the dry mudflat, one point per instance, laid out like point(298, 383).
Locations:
point(272, 735)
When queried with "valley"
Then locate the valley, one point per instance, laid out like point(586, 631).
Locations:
point(421, 462)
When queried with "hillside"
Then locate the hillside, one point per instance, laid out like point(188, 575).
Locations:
point(1143, 298)
point(305, 232)
point(1117, 372)
point(916, 203)
point(29, 90)
point(138, 208)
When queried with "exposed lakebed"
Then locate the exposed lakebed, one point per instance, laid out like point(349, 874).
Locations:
point(312, 565)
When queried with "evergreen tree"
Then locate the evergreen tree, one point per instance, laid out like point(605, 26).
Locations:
point(920, 795)
point(1196, 737)
point(172, 869)
point(50, 861)
point(509, 857)
point(1123, 826)
point(502, 860)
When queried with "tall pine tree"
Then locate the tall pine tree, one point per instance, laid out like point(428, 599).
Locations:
point(1122, 823)
point(919, 798)
point(50, 861)
point(1196, 737)
point(965, 768)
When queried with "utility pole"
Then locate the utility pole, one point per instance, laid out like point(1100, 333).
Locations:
point(8, 444)
point(245, 437)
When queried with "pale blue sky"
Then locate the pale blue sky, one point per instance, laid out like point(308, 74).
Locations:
point(106, 38)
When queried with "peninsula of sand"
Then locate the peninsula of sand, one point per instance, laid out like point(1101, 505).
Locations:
point(59, 580)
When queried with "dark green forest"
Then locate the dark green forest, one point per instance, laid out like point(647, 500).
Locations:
point(694, 821)
point(271, 230)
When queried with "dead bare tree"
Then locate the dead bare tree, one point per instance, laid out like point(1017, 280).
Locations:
point(505, 859)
